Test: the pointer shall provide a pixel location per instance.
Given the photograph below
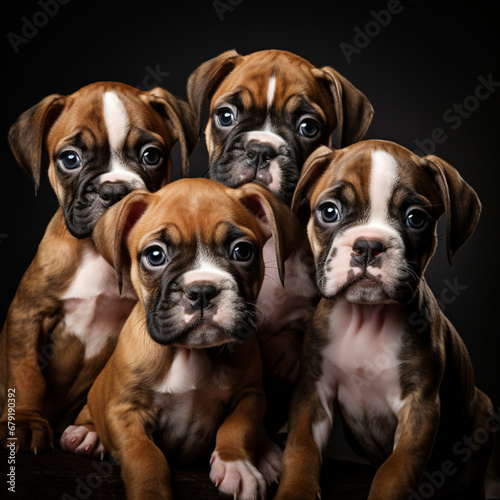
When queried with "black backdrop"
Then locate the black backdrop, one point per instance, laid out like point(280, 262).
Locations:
point(431, 71)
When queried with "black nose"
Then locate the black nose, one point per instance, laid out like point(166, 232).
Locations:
point(200, 294)
point(259, 154)
point(366, 252)
point(112, 192)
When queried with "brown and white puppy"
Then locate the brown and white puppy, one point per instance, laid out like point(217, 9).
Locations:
point(378, 344)
point(186, 372)
point(103, 141)
point(268, 111)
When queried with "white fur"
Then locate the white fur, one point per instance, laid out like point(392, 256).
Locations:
point(239, 479)
point(94, 310)
point(116, 120)
point(382, 180)
point(189, 404)
point(271, 88)
point(117, 125)
point(361, 365)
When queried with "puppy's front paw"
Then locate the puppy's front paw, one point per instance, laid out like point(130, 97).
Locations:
point(80, 440)
point(238, 479)
point(268, 457)
point(31, 434)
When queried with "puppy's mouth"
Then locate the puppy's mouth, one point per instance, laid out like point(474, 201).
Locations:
point(365, 288)
point(203, 333)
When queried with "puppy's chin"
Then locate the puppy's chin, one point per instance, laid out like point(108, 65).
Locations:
point(367, 291)
point(203, 335)
point(371, 290)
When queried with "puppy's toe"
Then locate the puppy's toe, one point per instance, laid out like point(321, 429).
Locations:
point(237, 479)
point(80, 440)
point(269, 461)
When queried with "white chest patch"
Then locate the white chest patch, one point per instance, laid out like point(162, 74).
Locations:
point(94, 310)
point(361, 363)
point(189, 405)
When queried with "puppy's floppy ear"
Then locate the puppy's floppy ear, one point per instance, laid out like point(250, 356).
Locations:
point(27, 135)
point(312, 170)
point(354, 111)
point(276, 220)
point(461, 203)
point(181, 116)
point(113, 227)
point(205, 79)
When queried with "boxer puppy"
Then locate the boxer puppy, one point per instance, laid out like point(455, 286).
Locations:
point(103, 141)
point(268, 111)
point(186, 371)
point(379, 344)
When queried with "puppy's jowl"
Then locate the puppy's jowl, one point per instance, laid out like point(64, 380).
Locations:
point(186, 373)
point(103, 141)
point(267, 112)
point(374, 208)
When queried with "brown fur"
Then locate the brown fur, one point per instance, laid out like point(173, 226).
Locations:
point(120, 403)
point(441, 403)
point(51, 375)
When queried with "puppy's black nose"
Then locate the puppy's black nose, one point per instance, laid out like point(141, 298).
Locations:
point(259, 154)
point(112, 192)
point(200, 294)
point(366, 251)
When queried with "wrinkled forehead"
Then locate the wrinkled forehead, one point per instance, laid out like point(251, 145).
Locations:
point(271, 81)
point(107, 115)
point(191, 218)
point(377, 177)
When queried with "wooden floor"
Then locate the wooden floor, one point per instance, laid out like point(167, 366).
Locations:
point(59, 475)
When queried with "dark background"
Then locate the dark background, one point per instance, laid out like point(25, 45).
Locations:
point(426, 60)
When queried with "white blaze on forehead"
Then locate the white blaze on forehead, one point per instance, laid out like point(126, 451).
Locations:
point(116, 120)
point(382, 181)
point(117, 125)
point(271, 88)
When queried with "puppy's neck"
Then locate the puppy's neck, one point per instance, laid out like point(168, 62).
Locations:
point(373, 319)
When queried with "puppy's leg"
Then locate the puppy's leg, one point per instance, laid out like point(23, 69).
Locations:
point(310, 427)
point(468, 482)
point(32, 431)
point(416, 431)
point(144, 468)
point(82, 438)
point(232, 463)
